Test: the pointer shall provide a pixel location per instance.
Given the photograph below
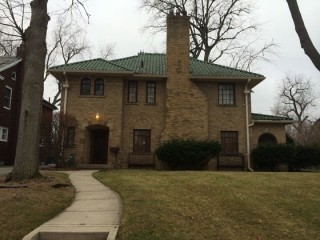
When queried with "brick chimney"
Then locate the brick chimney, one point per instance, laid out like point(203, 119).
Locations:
point(178, 50)
point(186, 105)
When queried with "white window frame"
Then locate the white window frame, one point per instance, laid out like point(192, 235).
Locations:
point(2, 78)
point(4, 138)
point(13, 75)
point(10, 98)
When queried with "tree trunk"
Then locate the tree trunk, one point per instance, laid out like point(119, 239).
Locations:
point(27, 152)
point(302, 32)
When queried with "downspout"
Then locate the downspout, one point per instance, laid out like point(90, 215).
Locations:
point(246, 93)
point(65, 86)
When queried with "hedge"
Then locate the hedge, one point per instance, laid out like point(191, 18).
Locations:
point(187, 153)
point(270, 157)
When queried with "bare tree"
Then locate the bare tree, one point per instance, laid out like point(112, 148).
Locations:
point(295, 100)
point(69, 42)
point(27, 152)
point(14, 17)
point(34, 42)
point(106, 51)
point(215, 28)
point(305, 40)
point(53, 134)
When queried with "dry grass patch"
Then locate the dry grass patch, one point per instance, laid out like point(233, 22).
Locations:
point(24, 209)
point(216, 205)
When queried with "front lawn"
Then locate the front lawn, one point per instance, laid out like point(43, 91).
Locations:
point(24, 209)
point(216, 205)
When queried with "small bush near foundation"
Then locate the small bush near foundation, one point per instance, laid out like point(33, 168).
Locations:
point(270, 156)
point(306, 157)
point(187, 153)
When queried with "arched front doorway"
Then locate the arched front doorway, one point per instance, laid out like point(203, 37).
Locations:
point(98, 143)
point(267, 138)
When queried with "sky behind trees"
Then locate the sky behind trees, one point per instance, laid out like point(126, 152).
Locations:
point(121, 22)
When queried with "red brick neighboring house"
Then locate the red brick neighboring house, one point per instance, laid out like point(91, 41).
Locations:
point(11, 72)
point(10, 89)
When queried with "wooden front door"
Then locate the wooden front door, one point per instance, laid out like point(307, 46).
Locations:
point(99, 146)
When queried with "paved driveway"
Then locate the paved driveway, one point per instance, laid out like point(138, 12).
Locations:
point(4, 170)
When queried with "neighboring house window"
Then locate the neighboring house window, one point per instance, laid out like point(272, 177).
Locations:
point(13, 75)
point(4, 134)
point(141, 140)
point(132, 91)
point(85, 86)
point(226, 94)
point(99, 87)
point(7, 97)
point(229, 142)
point(151, 92)
point(70, 136)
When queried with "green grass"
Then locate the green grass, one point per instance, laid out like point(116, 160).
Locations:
point(24, 209)
point(216, 205)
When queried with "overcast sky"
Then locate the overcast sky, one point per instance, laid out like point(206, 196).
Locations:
point(121, 22)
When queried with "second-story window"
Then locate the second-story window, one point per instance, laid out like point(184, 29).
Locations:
point(7, 97)
point(132, 91)
point(85, 86)
point(151, 92)
point(99, 87)
point(226, 94)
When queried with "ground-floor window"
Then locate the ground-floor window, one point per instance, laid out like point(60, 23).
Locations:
point(229, 142)
point(4, 132)
point(70, 136)
point(141, 140)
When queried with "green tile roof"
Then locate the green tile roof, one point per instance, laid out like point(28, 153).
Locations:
point(154, 64)
point(97, 64)
point(264, 117)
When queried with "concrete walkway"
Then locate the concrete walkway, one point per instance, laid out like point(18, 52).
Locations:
point(94, 214)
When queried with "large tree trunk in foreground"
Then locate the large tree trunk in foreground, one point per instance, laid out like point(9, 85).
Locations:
point(27, 152)
point(302, 32)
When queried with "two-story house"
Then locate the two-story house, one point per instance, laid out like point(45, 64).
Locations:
point(10, 89)
point(11, 76)
point(135, 103)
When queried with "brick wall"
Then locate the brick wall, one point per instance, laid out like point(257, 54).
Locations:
point(186, 105)
point(10, 118)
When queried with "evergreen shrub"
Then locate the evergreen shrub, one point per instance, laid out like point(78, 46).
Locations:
point(187, 154)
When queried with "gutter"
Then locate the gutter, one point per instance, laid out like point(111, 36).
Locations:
point(246, 93)
point(65, 86)
point(10, 65)
point(275, 121)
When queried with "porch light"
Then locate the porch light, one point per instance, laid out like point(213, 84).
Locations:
point(97, 116)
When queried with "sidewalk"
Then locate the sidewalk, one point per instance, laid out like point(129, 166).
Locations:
point(94, 214)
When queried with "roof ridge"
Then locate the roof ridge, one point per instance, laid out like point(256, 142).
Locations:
point(83, 61)
point(226, 67)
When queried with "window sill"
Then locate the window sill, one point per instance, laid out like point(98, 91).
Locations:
point(92, 96)
point(132, 103)
point(151, 104)
point(2, 140)
point(227, 105)
point(6, 108)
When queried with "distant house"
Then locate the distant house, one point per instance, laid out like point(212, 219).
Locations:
point(133, 104)
point(11, 71)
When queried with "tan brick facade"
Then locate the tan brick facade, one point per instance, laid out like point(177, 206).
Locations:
point(184, 107)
